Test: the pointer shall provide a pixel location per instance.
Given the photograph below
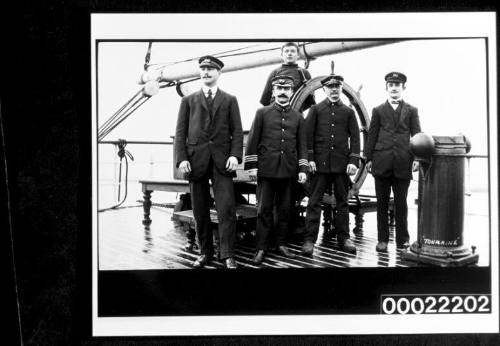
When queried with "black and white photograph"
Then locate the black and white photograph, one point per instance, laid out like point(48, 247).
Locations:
point(255, 177)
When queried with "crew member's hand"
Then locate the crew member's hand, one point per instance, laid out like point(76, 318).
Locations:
point(415, 166)
point(312, 166)
point(302, 177)
point(185, 167)
point(231, 164)
point(252, 173)
point(351, 169)
point(369, 166)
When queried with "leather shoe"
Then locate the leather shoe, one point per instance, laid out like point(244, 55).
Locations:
point(348, 246)
point(381, 246)
point(202, 261)
point(230, 263)
point(403, 246)
point(308, 248)
point(259, 257)
point(285, 252)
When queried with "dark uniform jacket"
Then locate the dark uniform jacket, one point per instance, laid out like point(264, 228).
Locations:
point(299, 75)
point(276, 143)
point(332, 137)
point(388, 144)
point(200, 136)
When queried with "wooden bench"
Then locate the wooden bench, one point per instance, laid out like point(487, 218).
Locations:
point(180, 186)
point(358, 205)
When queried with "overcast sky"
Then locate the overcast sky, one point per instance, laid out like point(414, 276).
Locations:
point(446, 81)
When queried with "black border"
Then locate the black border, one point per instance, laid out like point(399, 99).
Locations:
point(54, 283)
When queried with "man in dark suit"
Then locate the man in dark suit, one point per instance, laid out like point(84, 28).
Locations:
point(276, 151)
point(389, 160)
point(209, 145)
point(333, 150)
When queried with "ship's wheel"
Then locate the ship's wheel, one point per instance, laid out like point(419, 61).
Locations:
point(354, 101)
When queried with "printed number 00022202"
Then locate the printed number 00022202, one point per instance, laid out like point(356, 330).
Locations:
point(435, 304)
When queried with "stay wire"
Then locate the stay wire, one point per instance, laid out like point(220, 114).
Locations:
point(122, 107)
point(109, 122)
point(122, 117)
point(219, 55)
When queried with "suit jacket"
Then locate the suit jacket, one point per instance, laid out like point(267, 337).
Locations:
point(199, 136)
point(388, 144)
point(276, 143)
point(332, 137)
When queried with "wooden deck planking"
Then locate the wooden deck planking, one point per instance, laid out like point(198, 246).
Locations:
point(124, 244)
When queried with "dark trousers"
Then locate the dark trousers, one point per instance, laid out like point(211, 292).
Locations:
point(319, 183)
point(273, 191)
point(226, 211)
point(383, 191)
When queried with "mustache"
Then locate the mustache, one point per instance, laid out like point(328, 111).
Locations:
point(283, 95)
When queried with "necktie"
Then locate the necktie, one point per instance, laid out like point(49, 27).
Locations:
point(210, 102)
point(395, 102)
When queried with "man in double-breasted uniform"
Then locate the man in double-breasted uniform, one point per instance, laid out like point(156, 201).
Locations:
point(276, 152)
point(388, 156)
point(209, 145)
point(333, 151)
point(289, 67)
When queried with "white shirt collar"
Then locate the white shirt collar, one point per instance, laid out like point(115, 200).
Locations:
point(205, 90)
point(394, 106)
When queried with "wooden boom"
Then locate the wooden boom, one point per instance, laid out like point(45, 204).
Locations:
point(308, 50)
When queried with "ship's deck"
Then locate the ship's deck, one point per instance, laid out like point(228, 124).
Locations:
point(125, 244)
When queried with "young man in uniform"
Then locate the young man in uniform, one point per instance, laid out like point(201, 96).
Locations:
point(290, 55)
point(276, 151)
point(333, 151)
point(209, 145)
point(389, 159)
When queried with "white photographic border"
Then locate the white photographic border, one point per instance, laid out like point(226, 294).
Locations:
point(268, 26)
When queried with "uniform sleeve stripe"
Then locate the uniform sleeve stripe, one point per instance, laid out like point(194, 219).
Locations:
point(354, 155)
point(250, 159)
point(310, 151)
point(303, 162)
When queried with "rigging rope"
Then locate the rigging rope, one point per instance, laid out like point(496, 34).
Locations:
point(124, 112)
point(112, 118)
point(148, 56)
point(219, 55)
point(122, 153)
point(130, 106)
point(162, 65)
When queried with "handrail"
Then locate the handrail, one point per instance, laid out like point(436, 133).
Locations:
point(136, 142)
